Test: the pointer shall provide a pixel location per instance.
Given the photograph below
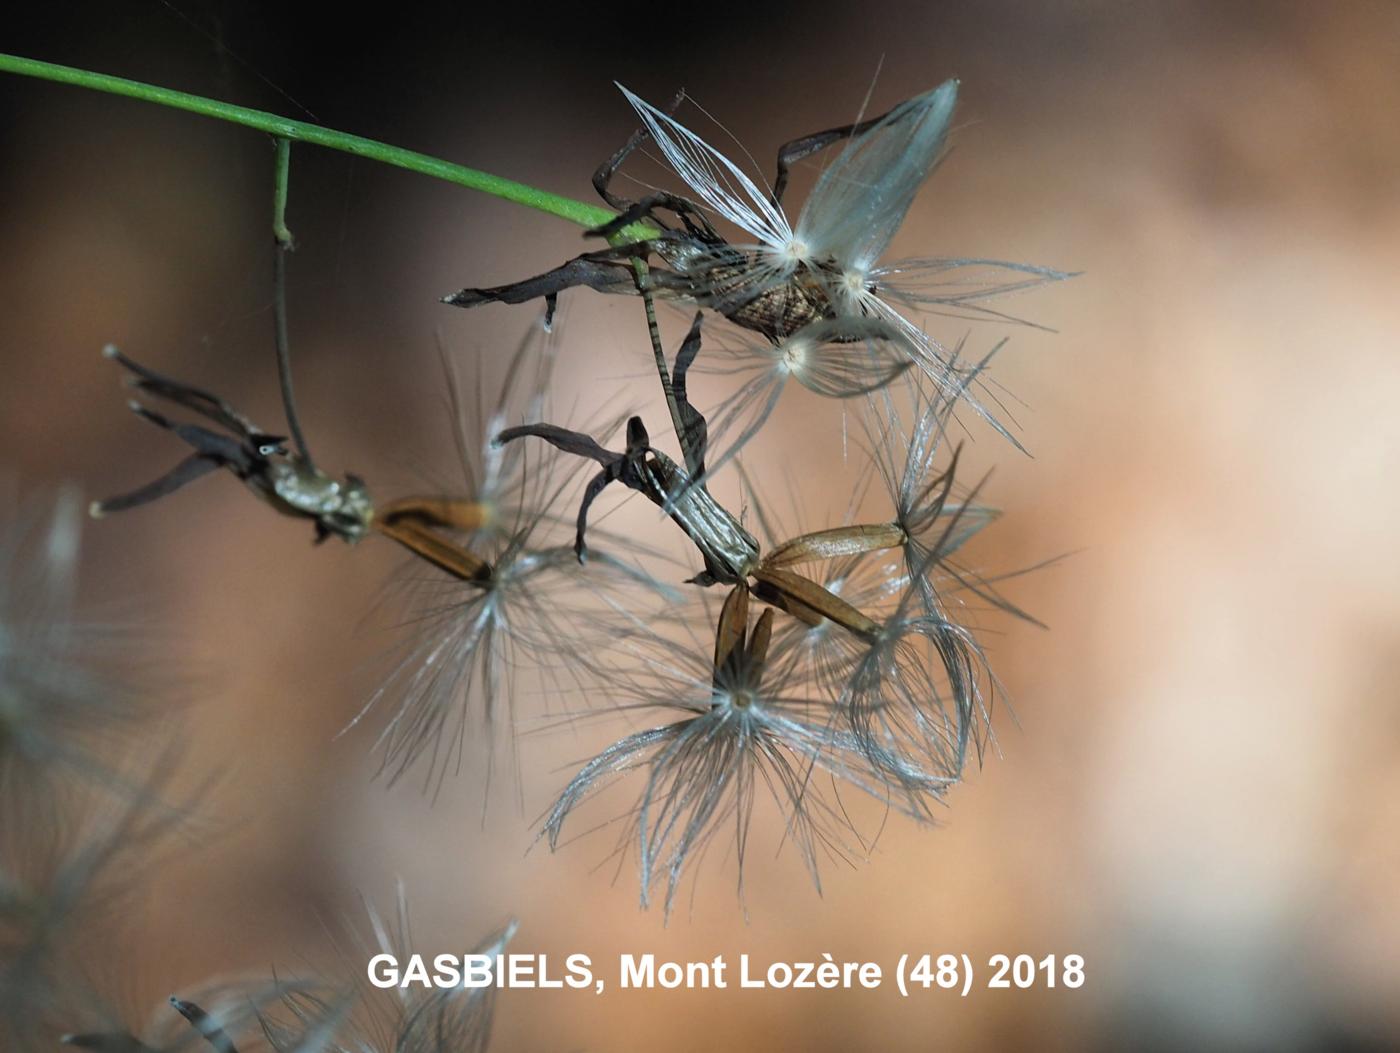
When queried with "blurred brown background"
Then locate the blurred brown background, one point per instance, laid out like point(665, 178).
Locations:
point(1201, 789)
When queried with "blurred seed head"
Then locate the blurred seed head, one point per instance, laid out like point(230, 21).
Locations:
point(68, 702)
point(343, 1013)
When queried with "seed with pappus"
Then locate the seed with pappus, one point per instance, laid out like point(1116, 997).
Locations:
point(515, 594)
point(745, 716)
point(936, 521)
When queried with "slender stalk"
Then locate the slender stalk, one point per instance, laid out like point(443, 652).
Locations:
point(282, 245)
point(281, 179)
point(643, 274)
point(579, 212)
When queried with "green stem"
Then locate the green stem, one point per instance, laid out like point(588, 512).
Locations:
point(579, 212)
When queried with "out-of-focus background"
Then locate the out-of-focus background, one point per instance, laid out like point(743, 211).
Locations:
point(1199, 790)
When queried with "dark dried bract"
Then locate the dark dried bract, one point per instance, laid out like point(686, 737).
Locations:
point(286, 481)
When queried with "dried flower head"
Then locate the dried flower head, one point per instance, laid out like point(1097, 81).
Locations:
point(861, 671)
point(790, 274)
point(287, 480)
point(851, 214)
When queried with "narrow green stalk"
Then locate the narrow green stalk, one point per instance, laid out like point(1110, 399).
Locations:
point(579, 212)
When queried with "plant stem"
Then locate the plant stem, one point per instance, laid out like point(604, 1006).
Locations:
point(283, 163)
point(643, 276)
point(579, 212)
point(282, 245)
